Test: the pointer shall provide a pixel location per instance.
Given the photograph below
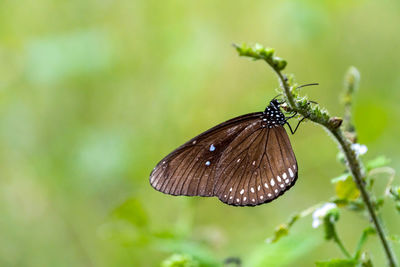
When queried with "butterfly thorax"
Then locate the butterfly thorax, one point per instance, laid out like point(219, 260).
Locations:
point(273, 116)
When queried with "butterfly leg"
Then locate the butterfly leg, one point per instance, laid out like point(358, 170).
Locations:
point(297, 126)
point(288, 118)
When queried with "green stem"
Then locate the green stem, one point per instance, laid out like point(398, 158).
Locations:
point(354, 164)
point(362, 241)
point(337, 240)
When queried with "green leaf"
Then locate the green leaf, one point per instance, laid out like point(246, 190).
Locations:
point(131, 211)
point(200, 252)
point(281, 231)
point(180, 260)
point(342, 177)
point(286, 252)
point(126, 224)
point(337, 263)
point(346, 188)
point(378, 162)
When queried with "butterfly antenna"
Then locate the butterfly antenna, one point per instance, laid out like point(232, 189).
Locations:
point(276, 96)
point(308, 84)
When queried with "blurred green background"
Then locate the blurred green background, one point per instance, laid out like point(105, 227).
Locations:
point(94, 93)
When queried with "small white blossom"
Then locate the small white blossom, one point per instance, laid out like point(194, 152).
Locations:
point(359, 149)
point(319, 214)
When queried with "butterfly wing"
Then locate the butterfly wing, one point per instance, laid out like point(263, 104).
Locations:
point(191, 169)
point(257, 167)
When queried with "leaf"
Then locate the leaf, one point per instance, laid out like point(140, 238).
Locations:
point(378, 162)
point(281, 231)
point(131, 211)
point(180, 260)
point(127, 224)
point(346, 188)
point(286, 252)
point(200, 252)
point(337, 263)
point(342, 177)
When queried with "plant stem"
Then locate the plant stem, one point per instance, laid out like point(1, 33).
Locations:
point(362, 240)
point(354, 164)
point(340, 244)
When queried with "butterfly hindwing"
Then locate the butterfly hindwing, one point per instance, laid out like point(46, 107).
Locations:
point(259, 170)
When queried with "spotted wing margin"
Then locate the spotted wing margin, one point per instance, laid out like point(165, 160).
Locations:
point(257, 167)
point(191, 169)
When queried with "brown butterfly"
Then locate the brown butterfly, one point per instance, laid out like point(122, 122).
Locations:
point(245, 161)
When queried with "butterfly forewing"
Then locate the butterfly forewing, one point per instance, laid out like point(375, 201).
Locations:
point(191, 169)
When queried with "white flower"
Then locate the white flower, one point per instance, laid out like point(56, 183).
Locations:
point(359, 149)
point(319, 214)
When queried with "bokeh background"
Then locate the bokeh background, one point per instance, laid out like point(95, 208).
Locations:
point(94, 93)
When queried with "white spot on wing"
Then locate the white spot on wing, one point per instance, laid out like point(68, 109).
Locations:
point(276, 190)
point(212, 147)
point(272, 182)
point(266, 185)
point(194, 142)
point(261, 197)
point(278, 178)
point(242, 191)
point(253, 200)
point(208, 163)
point(244, 199)
point(237, 200)
point(252, 190)
point(269, 194)
point(230, 197)
point(282, 185)
point(259, 187)
point(287, 181)
point(284, 175)
point(291, 172)
point(230, 190)
point(238, 160)
point(254, 162)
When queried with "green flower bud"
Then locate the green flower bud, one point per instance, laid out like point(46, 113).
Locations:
point(279, 63)
point(352, 80)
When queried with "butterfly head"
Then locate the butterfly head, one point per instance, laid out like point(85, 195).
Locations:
point(275, 103)
point(272, 114)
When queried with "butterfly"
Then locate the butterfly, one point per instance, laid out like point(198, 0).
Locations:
point(245, 161)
